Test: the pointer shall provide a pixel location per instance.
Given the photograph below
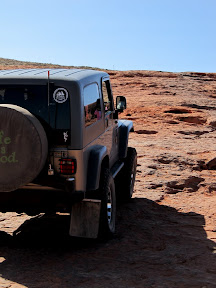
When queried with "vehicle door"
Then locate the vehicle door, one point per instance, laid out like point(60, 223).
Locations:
point(111, 124)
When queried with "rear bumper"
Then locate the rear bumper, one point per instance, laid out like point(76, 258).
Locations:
point(34, 199)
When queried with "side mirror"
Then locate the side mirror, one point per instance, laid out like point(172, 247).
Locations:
point(121, 103)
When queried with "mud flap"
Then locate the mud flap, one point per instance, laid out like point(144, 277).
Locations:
point(85, 218)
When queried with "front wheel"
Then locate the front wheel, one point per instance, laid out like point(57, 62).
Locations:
point(126, 178)
point(108, 204)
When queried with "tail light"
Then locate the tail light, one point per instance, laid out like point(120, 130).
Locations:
point(67, 166)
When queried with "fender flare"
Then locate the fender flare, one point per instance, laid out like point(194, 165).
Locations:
point(125, 127)
point(96, 157)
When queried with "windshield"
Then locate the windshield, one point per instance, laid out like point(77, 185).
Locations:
point(55, 118)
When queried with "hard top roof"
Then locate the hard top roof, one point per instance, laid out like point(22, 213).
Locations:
point(54, 74)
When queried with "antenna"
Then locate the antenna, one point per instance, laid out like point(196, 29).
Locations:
point(48, 97)
point(48, 88)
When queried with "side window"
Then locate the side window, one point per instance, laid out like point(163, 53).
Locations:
point(92, 104)
point(107, 96)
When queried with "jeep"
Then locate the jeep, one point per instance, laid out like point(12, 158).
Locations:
point(63, 148)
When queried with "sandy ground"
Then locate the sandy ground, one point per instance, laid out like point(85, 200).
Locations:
point(166, 236)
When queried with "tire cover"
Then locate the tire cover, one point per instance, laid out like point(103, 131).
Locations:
point(23, 147)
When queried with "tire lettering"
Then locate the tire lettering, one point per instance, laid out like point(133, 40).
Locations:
point(5, 158)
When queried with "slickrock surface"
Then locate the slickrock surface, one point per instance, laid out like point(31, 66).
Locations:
point(166, 236)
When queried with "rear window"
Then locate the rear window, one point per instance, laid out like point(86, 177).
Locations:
point(54, 117)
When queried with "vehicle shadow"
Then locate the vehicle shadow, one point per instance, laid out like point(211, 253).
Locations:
point(154, 246)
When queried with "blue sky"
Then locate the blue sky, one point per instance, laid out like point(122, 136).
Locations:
point(166, 35)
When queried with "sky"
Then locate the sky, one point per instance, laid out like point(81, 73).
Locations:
point(161, 35)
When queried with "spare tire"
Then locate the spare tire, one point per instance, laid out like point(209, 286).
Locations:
point(23, 147)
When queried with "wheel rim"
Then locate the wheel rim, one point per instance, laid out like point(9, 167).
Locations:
point(133, 174)
point(109, 206)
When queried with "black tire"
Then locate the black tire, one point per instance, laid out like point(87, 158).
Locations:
point(126, 178)
point(108, 204)
point(23, 147)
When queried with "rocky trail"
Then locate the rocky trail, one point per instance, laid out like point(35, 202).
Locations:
point(166, 236)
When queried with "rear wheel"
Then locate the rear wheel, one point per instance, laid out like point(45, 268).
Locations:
point(108, 204)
